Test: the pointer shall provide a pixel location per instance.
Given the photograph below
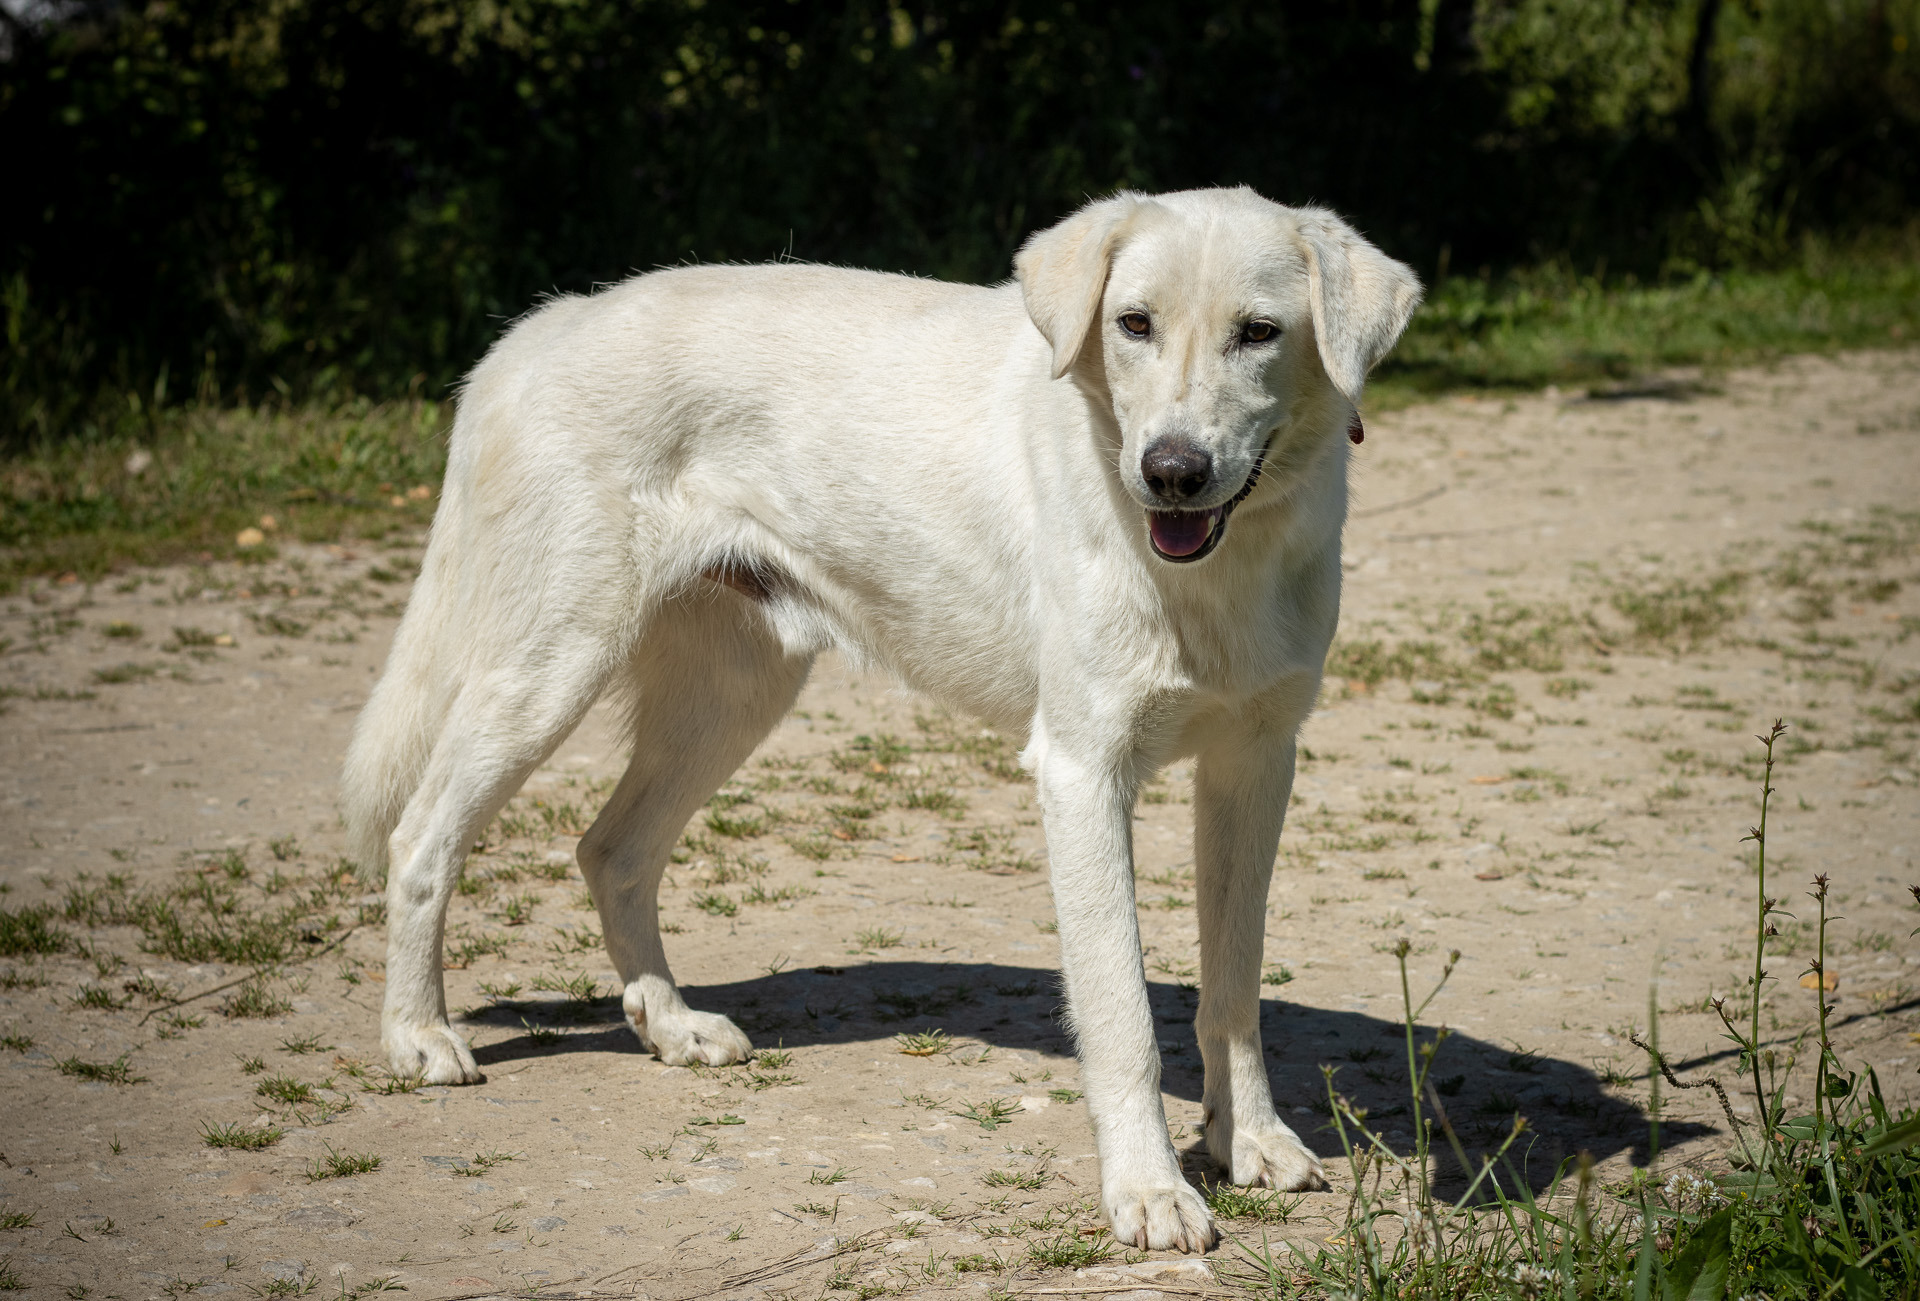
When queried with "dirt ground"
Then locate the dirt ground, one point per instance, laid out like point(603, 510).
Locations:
point(1567, 616)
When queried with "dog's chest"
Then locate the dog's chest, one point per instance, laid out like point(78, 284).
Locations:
point(1235, 654)
point(1250, 626)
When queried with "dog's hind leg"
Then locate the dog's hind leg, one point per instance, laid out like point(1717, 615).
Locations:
point(709, 681)
point(510, 713)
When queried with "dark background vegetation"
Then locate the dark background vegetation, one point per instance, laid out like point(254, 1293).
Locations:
point(231, 198)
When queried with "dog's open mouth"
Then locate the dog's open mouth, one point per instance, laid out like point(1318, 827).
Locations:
point(1183, 536)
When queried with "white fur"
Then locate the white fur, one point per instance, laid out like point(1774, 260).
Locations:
point(944, 480)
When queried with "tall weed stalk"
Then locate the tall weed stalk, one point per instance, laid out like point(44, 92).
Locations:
point(1812, 1207)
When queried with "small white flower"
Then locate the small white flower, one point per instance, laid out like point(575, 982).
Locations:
point(1532, 1280)
point(1683, 1186)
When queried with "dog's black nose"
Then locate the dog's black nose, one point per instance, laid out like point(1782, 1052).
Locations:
point(1176, 471)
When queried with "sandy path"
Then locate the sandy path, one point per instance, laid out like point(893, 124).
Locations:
point(1505, 763)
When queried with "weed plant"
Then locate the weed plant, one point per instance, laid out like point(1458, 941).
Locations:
point(1820, 1206)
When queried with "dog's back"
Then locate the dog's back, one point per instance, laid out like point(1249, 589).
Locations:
point(711, 399)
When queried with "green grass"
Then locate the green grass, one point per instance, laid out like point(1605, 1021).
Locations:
point(116, 1071)
point(239, 1137)
point(323, 474)
point(1069, 1251)
point(341, 1165)
point(924, 1043)
point(991, 1114)
point(25, 932)
point(1680, 613)
point(483, 1162)
point(98, 998)
point(305, 1044)
point(207, 918)
point(255, 999)
point(1549, 325)
point(1258, 1204)
point(716, 904)
point(286, 1091)
point(541, 1035)
point(579, 987)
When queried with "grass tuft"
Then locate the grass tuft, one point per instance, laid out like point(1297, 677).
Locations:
point(1069, 1251)
point(924, 1043)
point(483, 1162)
point(117, 1071)
point(255, 999)
point(341, 1165)
point(240, 1137)
point(286, 1091)
point(716, 904)
point(25, 931)
point(991, 1114)
point(1259, 1204)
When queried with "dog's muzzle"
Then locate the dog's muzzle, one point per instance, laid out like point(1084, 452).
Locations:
point(1183, 536)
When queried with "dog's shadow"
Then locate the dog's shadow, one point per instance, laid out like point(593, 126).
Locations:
point(985, 1005)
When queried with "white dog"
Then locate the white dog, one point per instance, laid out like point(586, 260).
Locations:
point(1099, 507)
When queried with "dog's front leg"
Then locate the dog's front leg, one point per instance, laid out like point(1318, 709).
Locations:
point(1241, 786)
point(1088, 804)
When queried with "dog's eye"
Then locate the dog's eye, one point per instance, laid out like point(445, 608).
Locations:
point(1260, 332)
point(1136, 324)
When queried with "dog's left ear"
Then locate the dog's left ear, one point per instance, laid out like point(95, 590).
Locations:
point(1063, 273)
point(1362, 299)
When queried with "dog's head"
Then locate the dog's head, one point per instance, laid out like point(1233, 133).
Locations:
point(1232, 335)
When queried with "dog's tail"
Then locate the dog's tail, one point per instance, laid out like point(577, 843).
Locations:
point(395, 734)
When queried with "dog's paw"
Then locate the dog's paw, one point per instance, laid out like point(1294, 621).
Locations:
point(1169, 1217)
point(1271, 1156)
point(685, 1037)
point(433, 1054)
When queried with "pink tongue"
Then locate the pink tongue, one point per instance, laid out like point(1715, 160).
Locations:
point(1180, 532)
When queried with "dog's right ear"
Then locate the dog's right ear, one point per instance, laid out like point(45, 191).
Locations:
point(1063, 273)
